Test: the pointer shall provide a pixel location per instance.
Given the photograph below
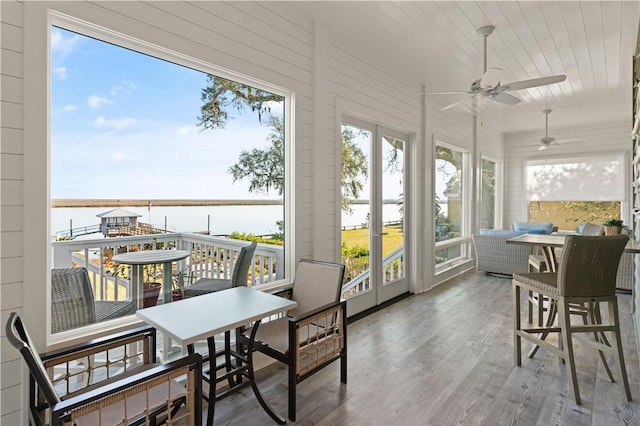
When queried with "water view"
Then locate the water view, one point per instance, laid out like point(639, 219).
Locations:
point(218, 220)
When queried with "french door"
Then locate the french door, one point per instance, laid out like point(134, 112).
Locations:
point(374, 206)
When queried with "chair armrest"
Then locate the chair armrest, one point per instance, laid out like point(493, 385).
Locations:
point(317, 311)
point(112, 393)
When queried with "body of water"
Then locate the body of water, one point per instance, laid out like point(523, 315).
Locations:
point(257, 220)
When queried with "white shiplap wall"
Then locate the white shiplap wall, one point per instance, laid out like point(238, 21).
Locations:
point(11, 195)
point(592, 139)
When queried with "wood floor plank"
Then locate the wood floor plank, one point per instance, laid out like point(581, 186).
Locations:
point(445, 357)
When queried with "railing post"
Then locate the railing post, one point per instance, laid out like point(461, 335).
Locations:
point(61, 257)
point(280, 265)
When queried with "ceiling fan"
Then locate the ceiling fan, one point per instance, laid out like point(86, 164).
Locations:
point(546, 141)
point(489, 86)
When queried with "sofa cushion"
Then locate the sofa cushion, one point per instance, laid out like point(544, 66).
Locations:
point(505, 232)
point(533, 227)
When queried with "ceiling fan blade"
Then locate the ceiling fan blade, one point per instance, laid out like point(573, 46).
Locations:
point(491, 78)
point(543, 147)
point(455, 103)
point(504, 98)
point(567, 140)
point(535, 82)
point(459, 92)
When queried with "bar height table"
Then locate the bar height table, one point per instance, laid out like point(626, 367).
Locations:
point(203, 317)
point(137, 259)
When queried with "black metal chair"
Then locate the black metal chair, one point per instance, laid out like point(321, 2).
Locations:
point(238, 277)
point(127, 387)
point(314, 334)
point(73, 302)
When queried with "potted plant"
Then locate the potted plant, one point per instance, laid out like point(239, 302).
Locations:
point(150, 289)
point(177, 293)
point(613, 227)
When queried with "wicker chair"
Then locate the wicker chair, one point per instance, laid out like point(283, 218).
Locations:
point(73, 303)
point(314, 334)
point(586, 277)
point(238, 277)
point(124, 387)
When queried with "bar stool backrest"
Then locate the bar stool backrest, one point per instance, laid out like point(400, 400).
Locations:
point(589, 265)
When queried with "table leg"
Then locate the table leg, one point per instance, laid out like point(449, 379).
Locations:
point(252, 378)
point(167, 281)
point(137, 278)
point(211, 342)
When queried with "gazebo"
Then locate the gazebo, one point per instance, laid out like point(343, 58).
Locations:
point(117, 218)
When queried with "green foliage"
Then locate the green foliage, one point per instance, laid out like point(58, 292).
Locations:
point(613, 222)
point(355, 168)
point(354, 251)
point(221, 94)
point(280, 234)
point(250, 237)
point(264, 167)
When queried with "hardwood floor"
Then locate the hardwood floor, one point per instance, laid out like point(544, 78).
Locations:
point(445, 357)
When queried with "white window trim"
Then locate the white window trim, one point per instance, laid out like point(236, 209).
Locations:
point(55, 18)
point(465, 237)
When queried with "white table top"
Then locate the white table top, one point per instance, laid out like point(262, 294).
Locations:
point(558, 241)
point(197, 318)
point(145, 257)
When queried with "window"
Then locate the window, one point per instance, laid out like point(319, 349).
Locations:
point(568, 192)
point(190, 148)
point(451, 212)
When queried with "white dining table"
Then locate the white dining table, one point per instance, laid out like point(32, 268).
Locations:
point(202, 317)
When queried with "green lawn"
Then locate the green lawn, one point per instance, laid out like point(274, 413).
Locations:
point(392, 238)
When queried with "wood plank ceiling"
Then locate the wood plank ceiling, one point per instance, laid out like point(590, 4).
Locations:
point(436, 44)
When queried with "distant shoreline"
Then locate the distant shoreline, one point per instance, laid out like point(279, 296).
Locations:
point(107, 202)
point(158, 202)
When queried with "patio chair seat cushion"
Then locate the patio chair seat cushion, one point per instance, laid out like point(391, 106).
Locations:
point(206, 285)
point(106, 310)
point(547, 281)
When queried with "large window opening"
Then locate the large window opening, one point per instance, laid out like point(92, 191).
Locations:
point(568, 192)
point(451, 212)
point(490, 190)
point(153, 150)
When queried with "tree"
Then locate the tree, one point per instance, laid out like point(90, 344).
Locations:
point(264, 167)
point(221, 95)
point(354, 168)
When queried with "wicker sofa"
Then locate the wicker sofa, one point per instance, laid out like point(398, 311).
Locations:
point(496, 257)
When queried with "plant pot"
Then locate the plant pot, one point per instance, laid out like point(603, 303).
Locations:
point(150, 294)
point(176, 295)
point(612, 230)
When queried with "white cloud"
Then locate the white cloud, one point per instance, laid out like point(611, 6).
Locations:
point(121, 156)
point(69, 108)
point(60, 44)
point(97, 101)
point(115, 123)
point(126, 87)
point(187, 130)
point(60, 72)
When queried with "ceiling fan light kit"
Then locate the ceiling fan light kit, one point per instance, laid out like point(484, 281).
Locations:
point(489, 86)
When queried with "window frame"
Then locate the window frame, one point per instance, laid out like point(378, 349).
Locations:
point(463, 241)
point(499, 190)
point(118, 39)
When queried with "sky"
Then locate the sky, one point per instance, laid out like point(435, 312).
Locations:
point(123, 125)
